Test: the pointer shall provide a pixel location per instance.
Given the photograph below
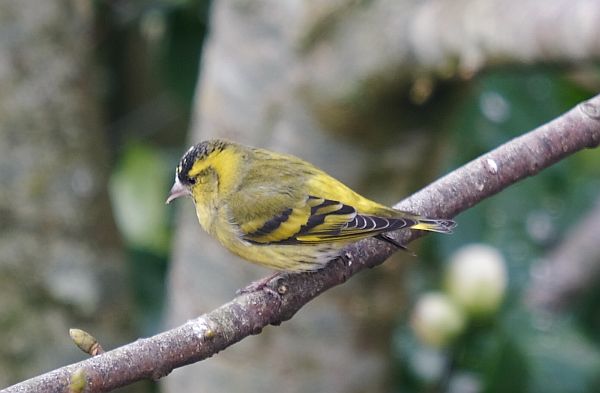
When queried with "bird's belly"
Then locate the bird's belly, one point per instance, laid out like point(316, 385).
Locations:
point(287, 257)
point(292, 258)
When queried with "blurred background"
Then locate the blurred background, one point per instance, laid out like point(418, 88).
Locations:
point(99, 99)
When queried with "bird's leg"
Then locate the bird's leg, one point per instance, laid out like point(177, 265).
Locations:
point(384, 237)
point(260, 285)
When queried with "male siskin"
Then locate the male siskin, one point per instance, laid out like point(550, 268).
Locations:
point(279, 211)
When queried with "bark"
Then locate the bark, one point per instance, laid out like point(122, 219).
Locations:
point(61, 262)
point(249, 313)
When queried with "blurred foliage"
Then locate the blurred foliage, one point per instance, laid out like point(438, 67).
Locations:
point(145, 228)
point(135, 198)
point(516, 351)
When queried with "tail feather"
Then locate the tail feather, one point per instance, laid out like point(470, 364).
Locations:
point(435, 225)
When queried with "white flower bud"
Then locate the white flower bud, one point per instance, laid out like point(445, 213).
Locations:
point(436, 320)
point(476, 279)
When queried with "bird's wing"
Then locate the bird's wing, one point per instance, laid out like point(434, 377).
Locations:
point(316, 220)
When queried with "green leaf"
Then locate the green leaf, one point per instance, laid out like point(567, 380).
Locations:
point(138, 188)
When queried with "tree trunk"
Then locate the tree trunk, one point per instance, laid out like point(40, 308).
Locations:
point(61, 261)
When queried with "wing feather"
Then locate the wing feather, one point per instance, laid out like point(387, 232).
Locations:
point(319, 220)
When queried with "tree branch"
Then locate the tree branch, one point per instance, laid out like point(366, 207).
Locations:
point(569, 269)
point(247, 314)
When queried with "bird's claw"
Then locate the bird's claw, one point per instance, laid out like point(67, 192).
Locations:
point(261, 285)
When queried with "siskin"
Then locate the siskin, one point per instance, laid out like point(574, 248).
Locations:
point(279, 211)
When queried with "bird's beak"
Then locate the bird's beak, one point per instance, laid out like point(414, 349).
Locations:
point(178, 190)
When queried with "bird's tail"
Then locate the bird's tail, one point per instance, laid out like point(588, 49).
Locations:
point(434, 225)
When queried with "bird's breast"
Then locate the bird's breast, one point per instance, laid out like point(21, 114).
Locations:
point(206, 214)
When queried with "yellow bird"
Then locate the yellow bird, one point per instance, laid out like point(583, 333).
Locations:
point(279, 211)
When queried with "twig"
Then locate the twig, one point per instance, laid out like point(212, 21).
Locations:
point(247, 314)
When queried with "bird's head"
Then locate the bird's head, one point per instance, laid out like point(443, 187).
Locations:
point(203, 170)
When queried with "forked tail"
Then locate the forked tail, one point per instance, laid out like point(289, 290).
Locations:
point(435, 225)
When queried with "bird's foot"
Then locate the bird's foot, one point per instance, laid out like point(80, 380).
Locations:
point(260, 285)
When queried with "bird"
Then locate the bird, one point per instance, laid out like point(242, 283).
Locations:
point(279, 211)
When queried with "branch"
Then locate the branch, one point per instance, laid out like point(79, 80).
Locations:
point(569, 269)
point(248, 314)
